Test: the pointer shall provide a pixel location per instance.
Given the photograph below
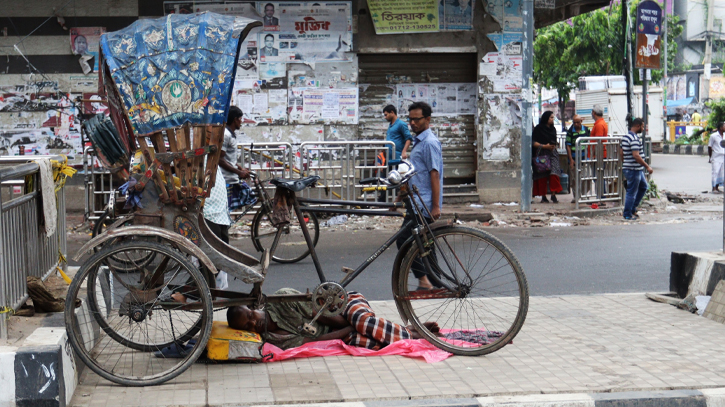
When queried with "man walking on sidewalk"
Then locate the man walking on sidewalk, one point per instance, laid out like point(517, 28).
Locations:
point(633, 169)
point(717, 157)
point(427, 158)
point(397, 133)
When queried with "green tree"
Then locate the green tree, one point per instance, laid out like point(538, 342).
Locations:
point(590, 44)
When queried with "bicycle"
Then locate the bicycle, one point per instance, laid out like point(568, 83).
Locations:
point(480, 300)
point(291, 247)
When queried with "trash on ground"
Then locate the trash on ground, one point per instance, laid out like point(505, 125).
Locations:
point(476, 206)
point(335, 220)
point(701, 302)
point(559, 224)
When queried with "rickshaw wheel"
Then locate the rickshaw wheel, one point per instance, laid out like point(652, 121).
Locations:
point(147, 316)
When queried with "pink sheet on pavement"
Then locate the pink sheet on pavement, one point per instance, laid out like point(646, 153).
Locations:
point(412, 348)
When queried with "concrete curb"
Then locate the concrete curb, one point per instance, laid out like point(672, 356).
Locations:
point(43, 370)
point(593, 213)
point(666, 398)
point(696, 273)
point(684, 149)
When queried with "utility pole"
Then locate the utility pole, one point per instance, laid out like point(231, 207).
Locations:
point(664, 79)
point(708, 49)
point(527, 182)
point(628, 75)
point(645, 74)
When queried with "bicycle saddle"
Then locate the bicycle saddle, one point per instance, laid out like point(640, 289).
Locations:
point(295, 185)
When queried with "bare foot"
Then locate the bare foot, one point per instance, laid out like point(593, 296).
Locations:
point(432, 327)
point(179, 297)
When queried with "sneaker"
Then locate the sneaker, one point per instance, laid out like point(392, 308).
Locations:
point(628, 218)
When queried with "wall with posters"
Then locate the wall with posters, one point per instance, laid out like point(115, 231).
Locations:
point(38, 116)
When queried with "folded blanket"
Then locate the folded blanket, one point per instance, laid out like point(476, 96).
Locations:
point(412, 348)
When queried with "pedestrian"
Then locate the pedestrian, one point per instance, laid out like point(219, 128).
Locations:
point(545, 144)
point(696, 118)
point(686, 117)
point(216, 214)
point(576, 130)
point(398, 133)
point(717, 157)
point(279, 323)
point(633, 169)
point(600, 129)
point(233, 172)
point(427, 159)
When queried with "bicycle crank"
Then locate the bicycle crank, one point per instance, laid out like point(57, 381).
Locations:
point(330, 298)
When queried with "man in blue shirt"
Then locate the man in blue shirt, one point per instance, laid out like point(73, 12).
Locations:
point(397, 133)
point(427, 158)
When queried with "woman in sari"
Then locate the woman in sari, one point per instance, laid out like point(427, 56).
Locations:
point(545, 144)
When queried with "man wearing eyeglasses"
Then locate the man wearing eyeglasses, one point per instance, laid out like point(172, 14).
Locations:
point(427, 159)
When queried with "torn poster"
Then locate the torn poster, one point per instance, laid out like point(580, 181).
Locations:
point(85, 40)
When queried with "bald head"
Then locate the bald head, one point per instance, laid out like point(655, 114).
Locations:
point(577, 121)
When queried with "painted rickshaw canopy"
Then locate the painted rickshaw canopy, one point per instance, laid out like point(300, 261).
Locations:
point(175, 70)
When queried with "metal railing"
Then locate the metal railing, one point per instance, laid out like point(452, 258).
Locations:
point(98, 182)
point(598, 175)
point(268, 160)
point(25, 250)
point(342, 164)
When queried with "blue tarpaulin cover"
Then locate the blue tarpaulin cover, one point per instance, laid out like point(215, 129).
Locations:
point(175, 70)
point(672, 105)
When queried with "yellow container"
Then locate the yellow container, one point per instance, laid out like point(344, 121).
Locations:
point(230, 344)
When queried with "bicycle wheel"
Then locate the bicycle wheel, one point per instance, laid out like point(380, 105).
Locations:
point(137, 314)
point(292, 246)
point(488, 306)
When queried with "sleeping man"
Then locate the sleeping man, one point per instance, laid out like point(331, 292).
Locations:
point(279, 324)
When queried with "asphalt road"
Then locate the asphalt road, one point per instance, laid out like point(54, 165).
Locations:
point(576, 260)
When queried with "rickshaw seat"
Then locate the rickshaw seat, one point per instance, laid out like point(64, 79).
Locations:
point(295, 185)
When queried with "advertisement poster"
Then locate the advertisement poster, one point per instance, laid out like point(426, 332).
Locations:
point(248, 64)
point(405, 16)
point(85, 40)
point(305, 32)
point(456, 15)
point(717, 87)
point(279, 47)
point(322, 105)
point(444, 98)
point(648, 29)
point(512, 17)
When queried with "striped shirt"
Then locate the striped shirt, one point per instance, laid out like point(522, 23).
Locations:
point(631, 142)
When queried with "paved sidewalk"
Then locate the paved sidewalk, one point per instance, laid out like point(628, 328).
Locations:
point(569, 344)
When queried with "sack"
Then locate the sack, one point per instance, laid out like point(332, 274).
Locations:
point(230, 344)
point(542, 163)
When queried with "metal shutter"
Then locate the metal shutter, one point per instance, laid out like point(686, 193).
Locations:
point(378, 75)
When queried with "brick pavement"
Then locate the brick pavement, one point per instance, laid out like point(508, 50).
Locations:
point(569, 344)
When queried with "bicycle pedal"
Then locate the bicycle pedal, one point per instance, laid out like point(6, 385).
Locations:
point(347, 271)
point(308, 329)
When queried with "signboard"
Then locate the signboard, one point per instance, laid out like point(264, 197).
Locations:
point(648, 29)
point(405, 16)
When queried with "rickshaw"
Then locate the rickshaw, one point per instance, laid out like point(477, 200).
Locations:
point(148, 281)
